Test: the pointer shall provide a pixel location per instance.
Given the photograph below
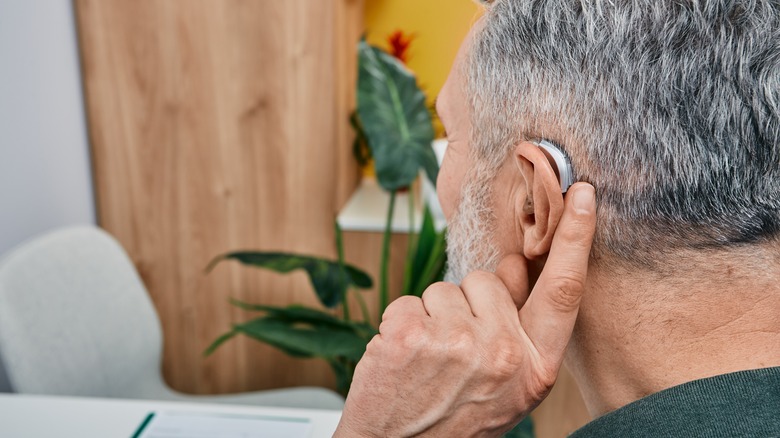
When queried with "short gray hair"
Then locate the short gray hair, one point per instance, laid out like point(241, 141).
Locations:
point(670, 108)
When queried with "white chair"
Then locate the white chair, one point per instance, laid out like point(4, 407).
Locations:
point(75, 319)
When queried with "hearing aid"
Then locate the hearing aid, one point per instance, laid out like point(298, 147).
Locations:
point(561, 162)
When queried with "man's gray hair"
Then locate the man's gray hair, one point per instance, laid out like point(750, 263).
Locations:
point(670, 108)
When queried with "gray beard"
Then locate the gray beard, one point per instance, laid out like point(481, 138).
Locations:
point(470, 234)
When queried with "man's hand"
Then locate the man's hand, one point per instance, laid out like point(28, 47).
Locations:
point(464, 361)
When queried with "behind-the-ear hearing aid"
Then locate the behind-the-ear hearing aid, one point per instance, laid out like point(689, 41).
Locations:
point(562, 162)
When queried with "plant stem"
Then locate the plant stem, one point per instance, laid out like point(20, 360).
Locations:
point(385, 262)
point(343, 374)
point(410, 246)
point(363, 307)
point(340, 250)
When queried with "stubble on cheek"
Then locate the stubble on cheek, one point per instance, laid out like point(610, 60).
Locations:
point(470, 236)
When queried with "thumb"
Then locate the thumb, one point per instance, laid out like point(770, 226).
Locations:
point(551, 310)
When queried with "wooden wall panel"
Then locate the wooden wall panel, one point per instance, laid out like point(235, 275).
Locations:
point(216, 125)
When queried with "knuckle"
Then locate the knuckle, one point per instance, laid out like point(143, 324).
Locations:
point(385, 327)
point(440, 290)
point(479, 277)
point(566, 291)
point(403, 302)
point(398, 346)
point(461, 343)
point(412, 337)
point(505, 359)
point(398, 306)
point(436, 289)
point(577, 233)
point(373, 343)
point(441, 287)
point(373, 348)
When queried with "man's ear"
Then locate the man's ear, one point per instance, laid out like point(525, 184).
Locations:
point(541, 210)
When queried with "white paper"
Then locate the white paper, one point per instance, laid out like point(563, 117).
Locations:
point(205, 425)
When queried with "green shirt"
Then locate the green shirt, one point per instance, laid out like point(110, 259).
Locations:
point(742, 404)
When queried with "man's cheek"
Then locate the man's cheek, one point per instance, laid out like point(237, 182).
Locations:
point(447, 190)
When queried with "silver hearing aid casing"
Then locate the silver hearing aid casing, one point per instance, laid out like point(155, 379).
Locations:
point(565, 172)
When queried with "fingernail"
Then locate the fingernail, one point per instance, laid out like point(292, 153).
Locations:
point(584, 199)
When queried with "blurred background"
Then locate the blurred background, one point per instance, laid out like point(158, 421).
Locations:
point(189, 128)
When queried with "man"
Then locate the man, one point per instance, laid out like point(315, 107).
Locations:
point(671, 110)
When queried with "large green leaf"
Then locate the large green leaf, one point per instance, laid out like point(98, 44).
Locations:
point(276, 326)
point(395, 119)
point(430, 256)
point(219, 341)
point(426, 241)
point(300, 340)
point(305, 315)
point(360, 147)
point(330, 282)
point(295, 313)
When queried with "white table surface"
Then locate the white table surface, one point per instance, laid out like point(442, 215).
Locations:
point(32, 416)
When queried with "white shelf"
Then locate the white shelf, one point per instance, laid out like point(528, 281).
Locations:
point(367, 208)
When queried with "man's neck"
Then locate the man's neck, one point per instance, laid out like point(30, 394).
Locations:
point(639, 333)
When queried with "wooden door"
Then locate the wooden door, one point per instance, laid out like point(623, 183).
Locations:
point(220, 125)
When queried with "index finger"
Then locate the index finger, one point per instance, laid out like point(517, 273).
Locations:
point(551, 310)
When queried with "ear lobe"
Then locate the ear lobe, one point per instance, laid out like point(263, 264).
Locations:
point(540, 211)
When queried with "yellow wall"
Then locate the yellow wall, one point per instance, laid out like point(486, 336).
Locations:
point(439, 27)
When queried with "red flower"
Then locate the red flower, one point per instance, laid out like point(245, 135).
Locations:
point(399, 45)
